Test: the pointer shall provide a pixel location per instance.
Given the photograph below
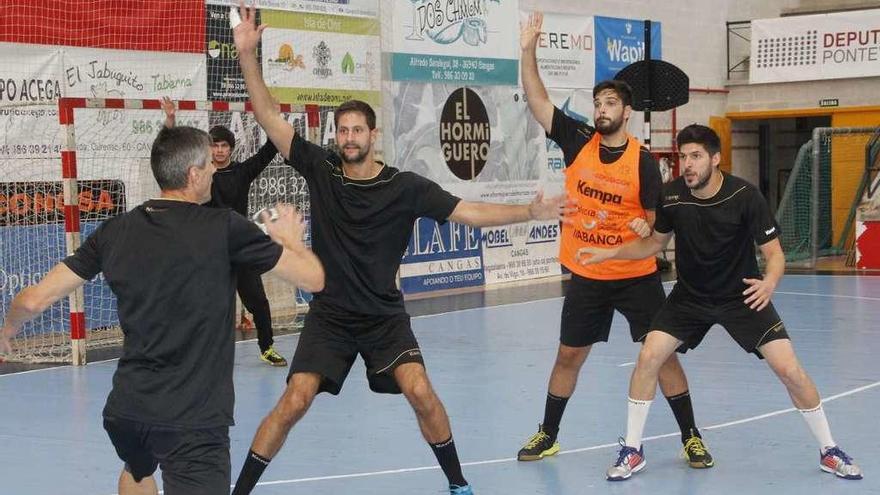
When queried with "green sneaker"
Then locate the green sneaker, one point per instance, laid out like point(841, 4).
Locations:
point(539, 446)
point(273, 358)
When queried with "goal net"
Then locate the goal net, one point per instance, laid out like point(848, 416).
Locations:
point(822, 193)
point(105, 173)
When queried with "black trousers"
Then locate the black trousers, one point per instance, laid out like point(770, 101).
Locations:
point(253, 296)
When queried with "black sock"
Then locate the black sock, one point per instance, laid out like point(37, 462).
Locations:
point(253, 468)
point(684, 414)
point(553, 410)
point(448, 459)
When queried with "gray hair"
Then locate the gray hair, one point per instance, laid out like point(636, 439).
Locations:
point(174, 151)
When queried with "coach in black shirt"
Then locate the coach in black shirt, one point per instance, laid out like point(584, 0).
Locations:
point(230, 188)
point(171, 264)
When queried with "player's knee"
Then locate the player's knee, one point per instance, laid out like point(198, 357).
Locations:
point(292, 407)
point(650, 359)
point(571, 357)
point(791, 374)
point(421, 395)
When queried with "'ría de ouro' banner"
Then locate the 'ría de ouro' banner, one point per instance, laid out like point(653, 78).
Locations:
point(811, 47)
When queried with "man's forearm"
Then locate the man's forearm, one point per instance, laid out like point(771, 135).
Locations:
point(20, 312)
point(261, 100)
point(531, 79)
point(491, 214)
point(639, 249)
point(536, 93)
point(774, 269)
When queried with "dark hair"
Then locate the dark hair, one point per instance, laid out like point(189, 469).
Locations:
point(356, 106)
point(221, 133)
point(175, 151)
point(699, 134)
point(621, 88)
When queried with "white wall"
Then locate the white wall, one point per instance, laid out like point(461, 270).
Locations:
point(695, 39)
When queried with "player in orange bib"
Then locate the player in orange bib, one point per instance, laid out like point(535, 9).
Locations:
point(616, 183)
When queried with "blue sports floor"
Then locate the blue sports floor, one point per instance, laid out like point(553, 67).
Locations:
point(490, 367)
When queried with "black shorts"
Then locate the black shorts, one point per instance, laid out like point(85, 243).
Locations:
point(688, 318)
point(589, 307)
point(193, 461)
point(331, 341)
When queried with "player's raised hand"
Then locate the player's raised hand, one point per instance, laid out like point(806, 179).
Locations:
point(170, 111)
point(247, 34)
point(530, 30)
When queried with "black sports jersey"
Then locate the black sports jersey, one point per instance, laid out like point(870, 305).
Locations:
point(360, 228)
point(232, 183)
point(715, 237)
point(171, 265)
point(572, 135)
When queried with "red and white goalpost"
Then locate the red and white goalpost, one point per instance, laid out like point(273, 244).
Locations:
point(104, 154)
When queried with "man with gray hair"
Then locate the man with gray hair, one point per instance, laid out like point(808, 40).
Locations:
point(171, 264)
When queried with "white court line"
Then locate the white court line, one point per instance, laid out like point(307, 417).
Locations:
point(839, 296)
point(572, 451)
point(626, 364)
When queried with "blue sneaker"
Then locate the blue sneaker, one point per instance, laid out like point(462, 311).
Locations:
point(460, 490)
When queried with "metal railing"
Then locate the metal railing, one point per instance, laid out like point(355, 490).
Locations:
point(738, 47)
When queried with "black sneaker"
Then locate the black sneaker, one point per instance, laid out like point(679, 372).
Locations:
point(540, 445)
point(697, 454)
point(273, 358)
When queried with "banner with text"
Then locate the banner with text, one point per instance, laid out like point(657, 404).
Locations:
point(321, 59)
point(481, 144)
point(32, 241)
point(812, 47)
point(225, 80)
point(454, 41)
point(620, 42)
point(441, 257)
point(566, 50)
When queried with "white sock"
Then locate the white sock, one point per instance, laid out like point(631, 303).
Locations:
point(818, 424)
point(637, 416)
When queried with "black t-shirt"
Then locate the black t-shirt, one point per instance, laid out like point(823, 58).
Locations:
point(232, 183)
point(715, 237)
point(360, 228)
point(572, 135)
point(171, 265)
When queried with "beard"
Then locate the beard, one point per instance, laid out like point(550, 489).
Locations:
point(702, 180)
point(608, 126)
point(357, 158)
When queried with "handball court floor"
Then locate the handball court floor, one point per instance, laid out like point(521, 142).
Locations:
point(490, 363)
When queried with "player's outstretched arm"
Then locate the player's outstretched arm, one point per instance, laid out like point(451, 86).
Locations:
point(478, 214)
point(635, 250)
point(247, 35)
point(33, 300)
